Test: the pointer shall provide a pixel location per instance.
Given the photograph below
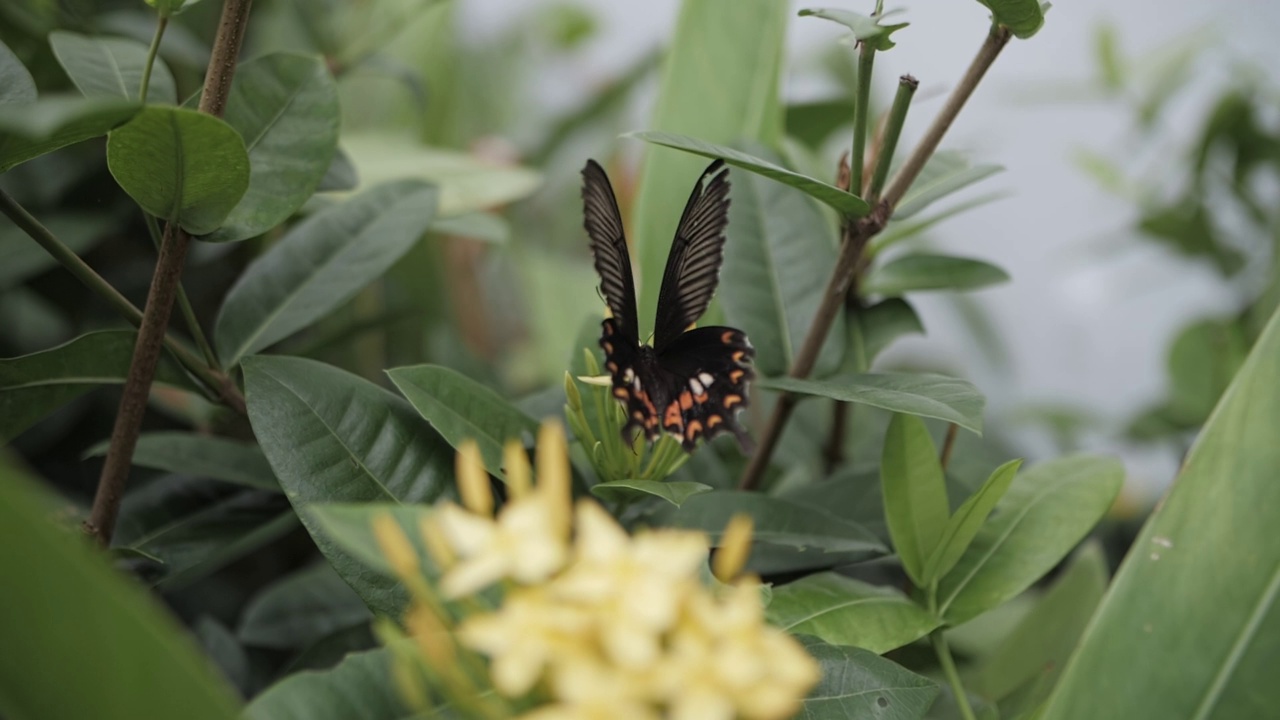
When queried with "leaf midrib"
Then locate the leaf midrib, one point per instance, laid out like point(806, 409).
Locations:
point(841, 606)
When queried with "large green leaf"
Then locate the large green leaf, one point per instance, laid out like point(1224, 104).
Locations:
point(31, 130)
point(844, 202)
point(915, 496)
point(181, 165)
point(362, 686)
point(21, 257)
point(1046, 511)
point(857, 683)
point(460, 408)
point(872, 329)
point(300, 609)
point(286, 109)
point(82, 641)
point(844, 611)
point(1198, 596)
point(920, 271)
point(350, 527)
point(17, 87)
point(777, 521)
point(923, 394)
point(1024, 18)
point(771, 279)
point(962, 527)
point(673, 491)
point(333, 437)
point(720, 81)
point(320, 264)
point(32, 386)
point(204, 456)
point(111, 67)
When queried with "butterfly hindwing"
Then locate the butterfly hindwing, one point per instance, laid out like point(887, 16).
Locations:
point(603, 223)
point(710, 367)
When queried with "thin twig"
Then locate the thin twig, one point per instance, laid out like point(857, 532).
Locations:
point(164, 285)
point(184, 303)
point(943, 651)
point(948, 444)
point(856, 236)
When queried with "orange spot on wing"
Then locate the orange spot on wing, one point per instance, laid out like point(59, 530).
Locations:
point(608, 348)
point(672, 418)
point(731, 400)
point(700, 398)
point(736, 375)
point(693, 429)
point(737, 356)
point(621, 393)
point(714, 420)
point(726, 337)
point(613, 366)
point(638, 415)
point(686, 400)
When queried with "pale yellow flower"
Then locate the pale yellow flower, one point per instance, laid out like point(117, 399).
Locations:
point(530, 631)
point(523, 544)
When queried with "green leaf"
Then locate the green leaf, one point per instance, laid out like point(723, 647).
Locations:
point(899, 231)
point(61, 601)
point(945, 173)
point(180, 165)
point(915, 496)
point(968, 520)
point(340, 175)
point(21, 257)
point(320, 264)
point(300, 609)
point(1198, 595)
point(476, 226)
point(1024, 18)
point(360, 686)
point(107, 67)
point(923, 394)
point(204, 456)
point(732, 52)
point(350, 527)
point(333, 437)
point(872, 329)
point(916, 272)
point(865, 29)
point(1042, 516)
point(844, 202)
point(1035, 652)
point(857, 683)
point(844, 611)
point(17, 87)
point(1205, 356)
point(674, 492)
point(460, 408)
point(286, 109)
point(776, 520)
point(770, 281)
point(812, 122)
point(32, 386)
point(29, 131)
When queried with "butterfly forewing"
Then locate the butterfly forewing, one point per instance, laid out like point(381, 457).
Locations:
point(603, 223)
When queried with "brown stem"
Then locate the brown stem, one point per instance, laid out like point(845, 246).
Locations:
point(856, 236)
point(164, 287)
point(948, 444)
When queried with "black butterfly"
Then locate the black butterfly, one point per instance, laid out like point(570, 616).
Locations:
point(690, 384)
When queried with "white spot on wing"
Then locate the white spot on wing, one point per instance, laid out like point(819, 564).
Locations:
point(695, 386)
point(706, 379)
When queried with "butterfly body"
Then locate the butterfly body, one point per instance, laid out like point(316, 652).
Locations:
point(689, 383)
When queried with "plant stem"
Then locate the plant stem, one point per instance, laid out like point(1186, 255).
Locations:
point(164, 285)
point(162, 21)
point(188, 312)
point(856, 236)
point(892, 131)
point(943, 651)
point(948, 445)
point(866, 61)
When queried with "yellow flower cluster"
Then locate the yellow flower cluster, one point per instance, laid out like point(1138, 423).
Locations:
point(604, 624)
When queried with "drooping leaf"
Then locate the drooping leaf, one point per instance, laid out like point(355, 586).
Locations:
point(17, 87)
point(920, 271)
point(945, 173)
point(923, 394)
point(967, 521)
point(31, 130)
point(772, 280)
point(320, 264)
point(674, 492)
point(362, 685)
point(1209, 553)
point(333, 437)
point(844, 611)
point(300, 609)
point(460, 408)
point(1046, 511)
point(109, 67)
point(286, 109)
point(915, 496)
point(62, 598)
point(865, 28)
point(857, 683)
point(204, 456)
point(1024, 18)
point(180, 165)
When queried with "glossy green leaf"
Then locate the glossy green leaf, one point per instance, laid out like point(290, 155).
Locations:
point(333, 437)
point(777, 521)
point(62, 602)
point(362, 686)
point(916, 272)
point(350, 527)
point(946, 172)
point(300, 609)
point(674, 492)
point(844, 202)
point(874, 328)
point(771, 278)
point(21, 257)
point(286, 109)
point(460, 408)
point(180, 165)
point(109, 67)
point(1046, 511)
point(320, 264)
point(31, 130)
point(844, 611)
point(865, 29)
point(340, 175)
point(1198, 595)
point(204, 456)
point(857, 683)
point(923, 394)
point(915, 496)
point(720, 82)
point(1024, 18)
point(967, 521)
point(17, 87)
point(32, 386)
point(811, 123)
